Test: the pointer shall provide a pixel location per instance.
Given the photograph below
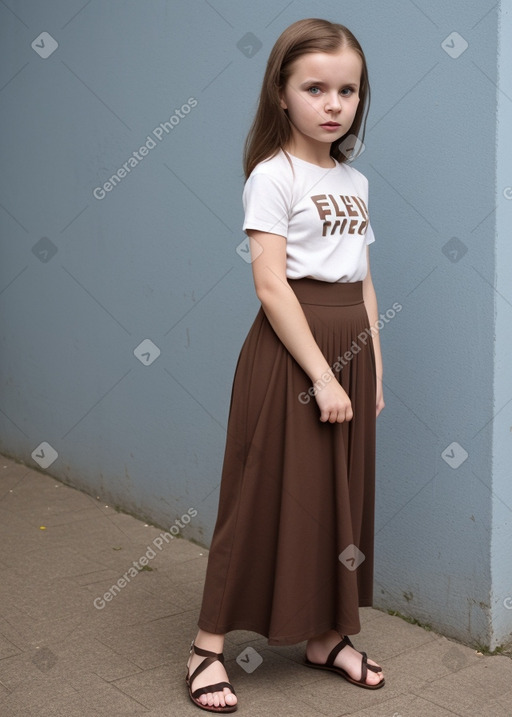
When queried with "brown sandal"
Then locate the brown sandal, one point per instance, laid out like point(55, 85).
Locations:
point(210, 658)
point(329, 665)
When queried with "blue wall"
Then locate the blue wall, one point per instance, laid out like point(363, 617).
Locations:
point(501, 564)
point(88, 275)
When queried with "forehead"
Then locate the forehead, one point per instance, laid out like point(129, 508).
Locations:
point(337, 67)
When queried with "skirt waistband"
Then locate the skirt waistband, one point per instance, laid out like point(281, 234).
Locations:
point(326, 293)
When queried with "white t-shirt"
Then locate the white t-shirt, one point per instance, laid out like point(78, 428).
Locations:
point(323, 213)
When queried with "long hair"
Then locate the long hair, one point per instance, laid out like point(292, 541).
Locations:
point(271, 128)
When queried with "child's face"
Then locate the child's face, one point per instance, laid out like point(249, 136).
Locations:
point(322, 87)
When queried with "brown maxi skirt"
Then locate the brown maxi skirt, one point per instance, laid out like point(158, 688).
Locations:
point(292, 551)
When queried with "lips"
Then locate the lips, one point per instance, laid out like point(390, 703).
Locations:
point(330, 124)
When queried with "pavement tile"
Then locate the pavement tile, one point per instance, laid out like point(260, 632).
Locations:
point(103, 575)
point(35, 693)
point(11, 474)
point(7, 648)
point(428, 662)
point(132, 605)
point(333, 695)
point(81, 654)
point(66, 515)
point(103, 695)
point(388, 635)
point(469, 690)
point(274, 702)
point(503, 702)
point(40, 632)
point(46, 564)
point(406, 706)
point(186, 596)
point(13, 626)
point(90, 536)
point(158, 687)
point(180, 550)
point(60, 655)
point(147, 644)
point(184, 572)
point(16, 535)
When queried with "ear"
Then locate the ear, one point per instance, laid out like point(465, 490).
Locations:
point(283, 104)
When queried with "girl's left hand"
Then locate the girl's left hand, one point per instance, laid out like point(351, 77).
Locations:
point(379, 397)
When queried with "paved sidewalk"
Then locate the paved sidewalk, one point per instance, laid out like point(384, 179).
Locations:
point(62, 656)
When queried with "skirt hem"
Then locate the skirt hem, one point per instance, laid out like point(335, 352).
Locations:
point(286, 639)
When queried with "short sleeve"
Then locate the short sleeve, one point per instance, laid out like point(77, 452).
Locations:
point(369, 235)
point(266, 204)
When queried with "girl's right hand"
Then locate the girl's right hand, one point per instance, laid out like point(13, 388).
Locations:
point(334, 403)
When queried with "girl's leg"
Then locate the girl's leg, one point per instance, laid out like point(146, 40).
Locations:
point(319, 647)
point(213, 674)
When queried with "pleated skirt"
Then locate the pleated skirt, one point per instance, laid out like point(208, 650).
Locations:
point(292, 550)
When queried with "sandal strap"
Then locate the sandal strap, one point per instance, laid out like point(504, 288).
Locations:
point(212, 688)
point(336, 650)
point(364, 667)
point(206, 653)
point(210, 658)
point(374, 668)
point(364, 663)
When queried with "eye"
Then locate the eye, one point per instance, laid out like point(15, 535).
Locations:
point(314, 90)
point(347, 91)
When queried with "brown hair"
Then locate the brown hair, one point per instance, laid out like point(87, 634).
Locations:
point(271, 130)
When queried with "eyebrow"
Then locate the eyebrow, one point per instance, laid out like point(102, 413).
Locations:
point(322, 82)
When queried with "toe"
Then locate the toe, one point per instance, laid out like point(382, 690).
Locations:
point(229, 697)
point(373, 678)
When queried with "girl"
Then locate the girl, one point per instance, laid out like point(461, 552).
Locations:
point(292, 552)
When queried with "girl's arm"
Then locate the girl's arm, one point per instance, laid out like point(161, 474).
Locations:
point(370, 302)
point(287, 318)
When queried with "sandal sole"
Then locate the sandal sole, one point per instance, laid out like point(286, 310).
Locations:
point(343, 673)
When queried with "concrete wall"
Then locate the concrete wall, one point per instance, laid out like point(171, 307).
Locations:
point(501, 540)
point(123, 311)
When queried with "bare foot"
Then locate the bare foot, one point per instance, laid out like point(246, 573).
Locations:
point(319, 647)
point(212, 674)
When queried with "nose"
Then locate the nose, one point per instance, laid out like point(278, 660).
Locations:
point(333, 103)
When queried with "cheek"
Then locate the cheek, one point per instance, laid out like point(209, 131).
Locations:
point(354, 106)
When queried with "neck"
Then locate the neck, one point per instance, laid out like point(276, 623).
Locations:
point(319, 155)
